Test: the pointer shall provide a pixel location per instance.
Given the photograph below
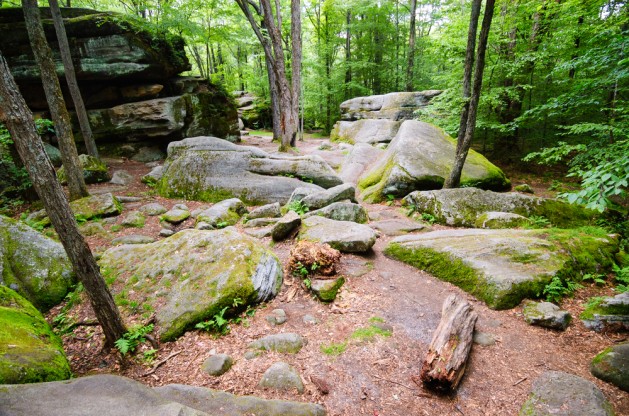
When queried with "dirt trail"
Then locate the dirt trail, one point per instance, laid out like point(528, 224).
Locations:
point(371, 377)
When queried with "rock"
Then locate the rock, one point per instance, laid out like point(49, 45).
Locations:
point(420, 157)
point(224, 213)
point(300, 193)
point(217, 364)
point(361, 157)
point(496, 220)
point(345, 236)
point(128, 199)
point(326, 290)
point(282, 376)
point(133, 239)
point(176, 216)
point(266, 211)
point(324, 198)
point(287, 343)
point(368, 131)
point(392, 106)
point(310, 320)
point(285, 226)
point(277, 317)
point(354, 267)
point(149, 154)
point(121, 177)
point(192, 275)
point(561, 394)
point(211, 169)
point(53, 154)
point(154, 176)
point(607, 314)
point(34, 265)
point(612, 365)
point(484, 339)
point(260, 222)
point(259, 232)
point(181, 206)
point(314, 257)
point(92, 228)
point(503, 267)
point(547, 315)
point(29, 351)
point(94, 170)
point(218, 403)
point(153, 209)
point(462, 207)
point(202, 225)
point(164, 232)
point(394, 227)
point(526, 188)
point(103, 205)
point(342, 211)
point(133, 219)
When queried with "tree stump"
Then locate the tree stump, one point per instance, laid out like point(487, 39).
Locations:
point(445, 361)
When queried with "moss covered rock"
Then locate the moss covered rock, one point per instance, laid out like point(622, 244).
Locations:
point(33, 265)
point(392, 106)
point(342, 211)
point(94, 170)
point(502, 267)
point(470, 207)
point(326, 290)
point(612, 365)
point(420, 158)
point(501, 220)
point(607, 313)
point(224, 213)
point(29, 351)
point(190, 276)
point(365, 131)
point(344, 236)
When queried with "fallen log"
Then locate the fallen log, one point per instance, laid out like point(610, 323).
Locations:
point(445, 361)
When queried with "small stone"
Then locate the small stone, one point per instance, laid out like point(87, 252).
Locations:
point(128, 199)
point(250, 355)
point(195, 212)
point(484, 339)
point(546, 314)
point(203, 226)
point(285, 226)
point(266, 211)
point(285, 343)
point(148, 154)
point(217, 364)
point(121, 177)
point(153, 209)
point(260, 222)
point(154, 176)
point(164, 232)
point(310, 320)
point(258, 232)
point(282, 376)
point(277, 317)
point(134, 219)
point(133, 239)
point(176, 216)
point(92, 228)
point(326, 290)
point(181, 206)
point(525, 187)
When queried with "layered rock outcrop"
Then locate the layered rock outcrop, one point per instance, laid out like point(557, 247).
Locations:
point(127, 73)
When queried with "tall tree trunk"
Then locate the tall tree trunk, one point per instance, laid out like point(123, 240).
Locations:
point(454, 178)
point(411, 48)
point(348, 54)
point(295, 32)
point(52, 89)
point(73, 86)
point(19, 120)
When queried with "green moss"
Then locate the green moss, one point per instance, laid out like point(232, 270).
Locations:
point(327, 292)
point(600, 357)
point(597, 306)
point(369, 333)
point(370, 186)
point(333, 348)
point(29, 350)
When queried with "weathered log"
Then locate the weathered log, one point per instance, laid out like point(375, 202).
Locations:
point(445, 361)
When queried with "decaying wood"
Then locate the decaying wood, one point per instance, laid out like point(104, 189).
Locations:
point(159, 363)
point(445, 362)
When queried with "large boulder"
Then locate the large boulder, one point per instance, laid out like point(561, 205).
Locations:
point(609, 313)
point(612, 365)
point(470, 207)
point(502, 267)
point(93, 206)
point(211, 169)
point(420, 157)
point(561, 394)
point(29, 351)
point(34, 265)
point(392, 106)
point(365, 131)
point(361, 157)
point(94, 170)
point(190, 276)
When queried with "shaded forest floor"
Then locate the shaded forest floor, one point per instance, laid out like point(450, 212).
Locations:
point(372, 375)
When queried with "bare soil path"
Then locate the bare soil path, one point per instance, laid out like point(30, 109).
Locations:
point(372, 376)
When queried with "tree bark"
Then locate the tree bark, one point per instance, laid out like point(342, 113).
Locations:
point(348, 54)
point(54, 97)
point(411, 48)
point(447, 355)
point(19, 121)
point(296, 51)
point(73, 86)
point(463, 146)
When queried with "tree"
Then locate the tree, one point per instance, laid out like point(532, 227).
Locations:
point(284, 94)
point(73, 86)
point(464, 140)
point(54, 97)
point(19, 121)
point(411, 47)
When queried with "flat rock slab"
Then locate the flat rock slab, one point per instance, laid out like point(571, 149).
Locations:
point(191, 275)
point(560, 394)
point(133, 239)
point(365, 131)
point(342, 211)
point(395, 227)
point(211, 169)
point(502, 267)
point(391, 106)
point(612, 365)
point(607, 314)
point(285, 343)
point(344, 236)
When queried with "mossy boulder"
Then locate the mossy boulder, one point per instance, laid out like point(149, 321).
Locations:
point(546, 314)
point(190, 276)
point(391, 106)
point(134, 219)
point(211, 169)
point(471, 207)
point(94, 170)
point(286, 343)
point(365, 131)
point(612, 365)
point(342, 211)
point(326, 290)
point(501, 220)
point(224, 213)
point(29, 351)
point(282, 376)
point(420, 157)
point(34, 265)
point(607, 313)
point(502, 267)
